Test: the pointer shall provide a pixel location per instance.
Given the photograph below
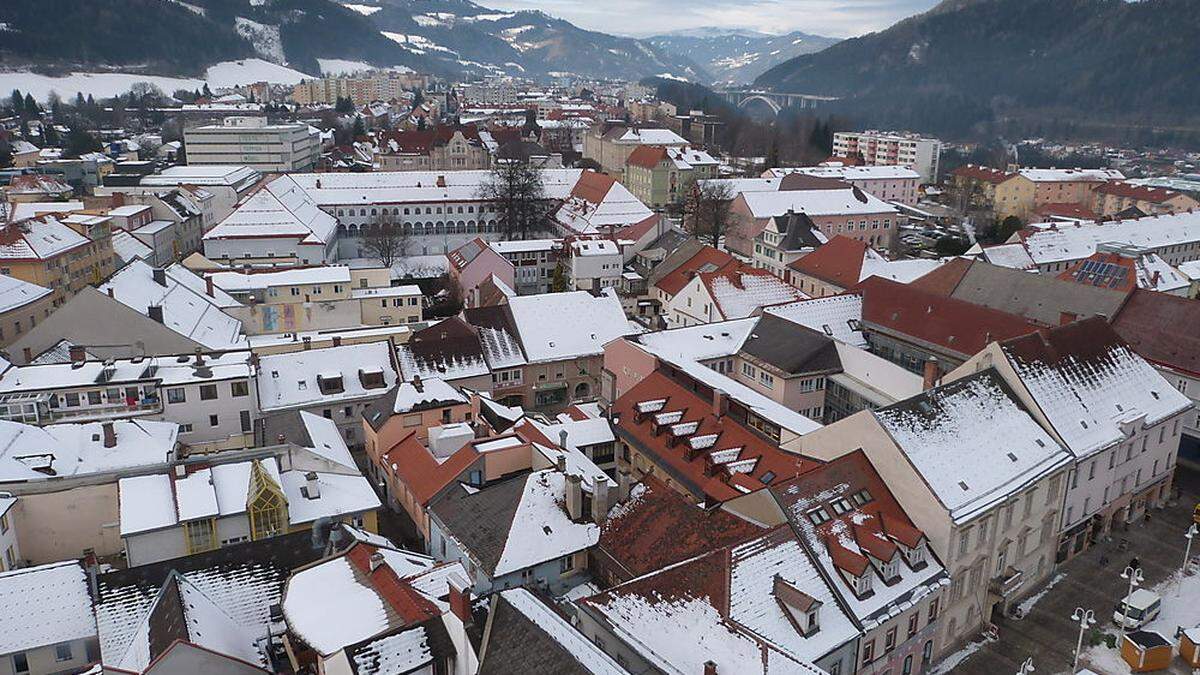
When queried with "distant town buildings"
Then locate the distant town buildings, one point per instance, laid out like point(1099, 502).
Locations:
point(252, 142)
point(882, 148)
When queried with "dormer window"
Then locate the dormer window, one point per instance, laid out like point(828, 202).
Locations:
point(891, 570)
point(813, 624)
point(818, 516)
point(371, 378)
point(330, 383)
point(915, 556)
point(841, 506)
point(862, 584)
point(861, 497)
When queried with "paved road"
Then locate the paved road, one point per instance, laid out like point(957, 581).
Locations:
point(1047, 632)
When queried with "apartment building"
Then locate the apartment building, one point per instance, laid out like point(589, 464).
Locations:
point(253, 142)
point(361, 90)
point(1027, 190)
point(47, 252)
point(1113, 197)
point(442, 148)
point(835, 208)
point(22, 306)
point(610, 145)
point(889, 183)
point(888, 148)
point(210, 395)
point(661, 176)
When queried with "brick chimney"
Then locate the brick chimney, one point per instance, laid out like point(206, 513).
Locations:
point(337, 340)
point(77, 353)
point(307, 343)
point(110, 435)
point(930, 375)
point(460, 598)
point(1065, 318)
point(600, 501)
point(28, 354)
point(208, 286)
point(159, 275)
point(710, 668)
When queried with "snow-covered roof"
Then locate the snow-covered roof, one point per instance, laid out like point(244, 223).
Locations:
point(58, 450)
point(885, 381)
point(599, 203)
point(1007, 255)
point(1064, 242)
point(432, 391)
point(903, 271)
point(849, 173)
point(701, 342)
point(165, 370)
point(38, 238)
point(839, 202)
point(405, 291)
point(1090, 386)
point(838, 316)
point(650, 136)
point(282, 208)
point(580, 433)
point(558, 326)
point(187, 309)
point(23, 210)
point(738, 293)
point(400, 187)
point(127, 247)
point(239, 282)
point(290, 380)
point(15, 293)
point(232, 175)
point(1071, 175)
point(524, 246)
point(44, 605)
point(590, 657)
point(968, 470)
point(541, 529)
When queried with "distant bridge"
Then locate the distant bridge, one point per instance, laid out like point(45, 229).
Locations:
point(776, 101)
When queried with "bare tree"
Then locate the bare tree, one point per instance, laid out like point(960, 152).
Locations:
point(516, 189)
point(386, 242)
point(711, 212)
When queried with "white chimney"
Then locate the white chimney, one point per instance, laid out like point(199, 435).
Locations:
point(312, 489)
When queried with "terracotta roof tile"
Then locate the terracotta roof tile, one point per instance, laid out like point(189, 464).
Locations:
point(839, 262)
point(1164, 329)
point(707, 259)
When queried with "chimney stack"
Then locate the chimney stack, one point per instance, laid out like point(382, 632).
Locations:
point(460, 598)
point(155, 312)
point(208, 286)
point(307, 343)
point(159, 275)
point(562, 439)
point(560, 463)
point(312, 489)
point(624, 484)
point(110, 435)
point(337, 340)
point(28, 354)
point(376, 560)
point(599, 500)
point(199, 357)
point(720, 403)
point(77, 353)
point(710, 668)
point(574, 497)
point(416, 383)
point(930, 375)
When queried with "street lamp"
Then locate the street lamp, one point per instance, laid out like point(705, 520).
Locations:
point(1187, 554)
point(1085, 617)
point(1026, 667)
point(1134, 575)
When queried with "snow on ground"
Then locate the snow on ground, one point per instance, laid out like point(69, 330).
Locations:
point(342, 67)
point(365, 10)
point(669, 76)
point(264, 38)
point(1027, 604)
point(417, 44)
point(951, 662)
point(107, 85)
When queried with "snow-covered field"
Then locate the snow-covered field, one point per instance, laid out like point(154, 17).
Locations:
point(365, 10)
point(104, 85)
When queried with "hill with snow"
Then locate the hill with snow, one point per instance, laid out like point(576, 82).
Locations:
point(734, 56)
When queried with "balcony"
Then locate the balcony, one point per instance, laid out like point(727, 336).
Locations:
point(1008, 583)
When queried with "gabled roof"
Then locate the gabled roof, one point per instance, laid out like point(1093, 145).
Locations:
point(411, 462)
point(281, 208)
point(673, 273)
point(838, 316)
point(37, 239)
point(1164, 329)
point(15, 293)
point(714, 458)
point(1124, 271)
point(740, 290)
point(838, 262)
point(295, 379)
point(1142, 193)
point(658, 527)
point(557, 326)
point(981, 173)
point(1089, 384)
point(44, 605)
point(969, 472)
point(790, 347)
point(647, 156)
point(449, 349)
point(957, 326)
point(527, 636)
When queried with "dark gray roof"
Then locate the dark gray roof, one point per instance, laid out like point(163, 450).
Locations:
point(1038, 297)
point(366, 657)
point(682, 253)
point(481, 521)
point(799, 231)
point(517, 646)
point(790, 347)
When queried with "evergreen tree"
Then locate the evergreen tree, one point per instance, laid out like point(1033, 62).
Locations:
point(31, 106)
point(17, 103)
point(207, 92)
point(360, 129)
point(80, 102)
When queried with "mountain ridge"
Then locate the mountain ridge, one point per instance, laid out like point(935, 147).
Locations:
point(735, 56)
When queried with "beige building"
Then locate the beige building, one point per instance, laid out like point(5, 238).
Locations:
point(1113, 197)
point(48, 252)
point(1022, 193)
point(253, 142)
point(978, 476)
point(441, 148)
point(360, 90)
point(22, 306)
point(610, 145)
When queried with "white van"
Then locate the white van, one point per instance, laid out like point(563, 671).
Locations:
point(1143, 607)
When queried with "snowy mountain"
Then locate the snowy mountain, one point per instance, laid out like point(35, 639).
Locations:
point(445, 37)
point(735, 56)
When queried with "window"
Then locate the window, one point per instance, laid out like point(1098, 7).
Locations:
point(3, 523)
point(72, 399)
point(93, 398)
point(914, 622)
point(245, 419)
point(176, 395)
point(566, 563)
point(889, 640)
point(208, 392)
point(868, 652)
point(185, 428)
point(20, 663)
point(818, 516)
point(200, 535)
point(239, 389)
point(933, 610)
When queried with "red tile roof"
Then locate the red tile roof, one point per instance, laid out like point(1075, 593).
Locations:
point(956, 325)
point(944, 278)
point(410, 606)
point(409, 461)
point(838, 262)
point(592, 187)
point(982, 173)
point(660, 527)
point(1145, 193)
point(639, 229)
point(647, 156)
point(702, 470)
point(1067, 211)
point(707, 259)
point(1162, 328)
point(1116, 282)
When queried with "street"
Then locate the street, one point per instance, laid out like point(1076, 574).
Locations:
point(1047, 633)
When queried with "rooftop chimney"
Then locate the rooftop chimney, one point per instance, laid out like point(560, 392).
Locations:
point(710, 668)
point(77, 353)
point(624, 484)
point(599, 500)
point(560, 463)
point(931, 374)
point(312, 489)
point(199, 357)
point(337, 340)
point(159, 275)
point(110, 292)
point(110, 435)
point(460, 598)
point(376, 560)
point(307, 343)
point(574, 497)
point(720, 403)
point(562, 439)
point(208, 286)
point(416, 383)
point(155, 312)
point(28, 354)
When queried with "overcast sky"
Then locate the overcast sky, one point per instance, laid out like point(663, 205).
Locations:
point(835, 18)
